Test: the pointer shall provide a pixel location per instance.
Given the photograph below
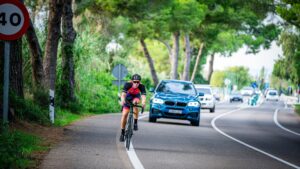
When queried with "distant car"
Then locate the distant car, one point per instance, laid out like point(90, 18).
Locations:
point(247, 91)
point(272, 95)
point(257, 91)
point(236, 96)
point(208, 100)
point(175, 99)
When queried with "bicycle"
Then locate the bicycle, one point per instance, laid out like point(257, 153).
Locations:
point(129, 124)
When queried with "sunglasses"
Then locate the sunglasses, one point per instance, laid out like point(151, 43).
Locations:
point(136, 82)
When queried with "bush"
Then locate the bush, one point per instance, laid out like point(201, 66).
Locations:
point(98, 94)
point(28, 110)
point(15, 149)
point(297, 109)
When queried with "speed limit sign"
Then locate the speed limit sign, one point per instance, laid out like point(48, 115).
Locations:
point(14, 19)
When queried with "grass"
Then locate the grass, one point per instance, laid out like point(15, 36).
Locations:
point(65, 117)
point(297, 109)
point(16, 148)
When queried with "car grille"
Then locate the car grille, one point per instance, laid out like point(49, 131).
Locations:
point(171, 103)
point(181, 104)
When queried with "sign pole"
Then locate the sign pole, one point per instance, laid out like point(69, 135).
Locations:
point(119, 78)
point(6, 81)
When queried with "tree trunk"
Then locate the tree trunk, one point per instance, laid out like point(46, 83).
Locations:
point(150, 61)
point(16, 75)
point(211, 67)
point(187, 65)
point(36, 57)
point(168, 47)
point(50, 59)
point(175, 53)
point(197, 62)
point(68, 38)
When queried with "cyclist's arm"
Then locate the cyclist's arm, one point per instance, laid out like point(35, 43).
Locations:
point(143, 92)
point(123, 95)
point(143, 100)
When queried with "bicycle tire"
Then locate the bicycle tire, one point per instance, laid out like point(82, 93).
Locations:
point(129, 131)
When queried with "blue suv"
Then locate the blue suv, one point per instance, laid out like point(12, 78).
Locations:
point(175, 99)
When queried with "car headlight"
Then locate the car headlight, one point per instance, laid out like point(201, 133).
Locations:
point(194, 104)
point(158, 101)
point(208, 99)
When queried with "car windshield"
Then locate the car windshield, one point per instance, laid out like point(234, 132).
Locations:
point(272, 93)
point(176, 87)
point(203, 90)
point(247, 88)
point(235, 93)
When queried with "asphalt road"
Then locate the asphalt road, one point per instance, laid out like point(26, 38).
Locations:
point(235, 137)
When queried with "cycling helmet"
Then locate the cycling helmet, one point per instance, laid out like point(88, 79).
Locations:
point(136, 77)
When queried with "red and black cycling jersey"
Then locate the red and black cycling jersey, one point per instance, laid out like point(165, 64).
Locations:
point(134, 91)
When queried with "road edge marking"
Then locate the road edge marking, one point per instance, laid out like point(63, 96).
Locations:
point(275, 117)
point(245, 144)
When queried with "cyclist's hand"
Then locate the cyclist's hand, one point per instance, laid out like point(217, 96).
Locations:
point(122, 102)
point(143, 105)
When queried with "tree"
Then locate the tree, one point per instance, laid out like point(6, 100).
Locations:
point(36, 57)
point(68, 67)
point(16, 71)
point(217, 79)
point(50, 58)
point(289, 10)
point(239, 76)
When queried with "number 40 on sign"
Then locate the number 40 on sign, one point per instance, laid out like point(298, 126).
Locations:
point(14, 19)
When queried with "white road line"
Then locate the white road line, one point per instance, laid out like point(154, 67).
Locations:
point(279, 125)
point(245, 144)
point(135, 161)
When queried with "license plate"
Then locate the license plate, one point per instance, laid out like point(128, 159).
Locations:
point(175, 111)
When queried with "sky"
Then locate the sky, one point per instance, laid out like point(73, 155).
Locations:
point(255, 62)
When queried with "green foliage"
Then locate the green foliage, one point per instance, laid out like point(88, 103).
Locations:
point(297, 108)
point(186, 15)
point(217, 79)
point(288, 67)
point(16, 148)
point(238, 76)
point(27, 109)
point(66, 117)
point(289, 11)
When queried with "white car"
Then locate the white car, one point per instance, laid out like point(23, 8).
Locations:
point(272, 95)
point(247, 91)
point(208, 100)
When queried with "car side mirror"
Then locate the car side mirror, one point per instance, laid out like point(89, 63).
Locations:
point(200, 94)
point(151, 89)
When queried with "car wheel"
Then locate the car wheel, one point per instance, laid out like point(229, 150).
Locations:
point(212, 110)
point(152, 119)
point(195, 123)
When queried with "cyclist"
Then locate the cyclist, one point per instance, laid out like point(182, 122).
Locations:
point(132, 91)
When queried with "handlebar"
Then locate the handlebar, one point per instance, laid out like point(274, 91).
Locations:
point(135, 105)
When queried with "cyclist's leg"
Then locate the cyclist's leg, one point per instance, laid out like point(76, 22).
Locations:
point(124, 117)
point(136, 100)
point(125, 112)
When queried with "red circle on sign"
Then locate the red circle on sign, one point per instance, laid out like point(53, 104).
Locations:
point(25, 13)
